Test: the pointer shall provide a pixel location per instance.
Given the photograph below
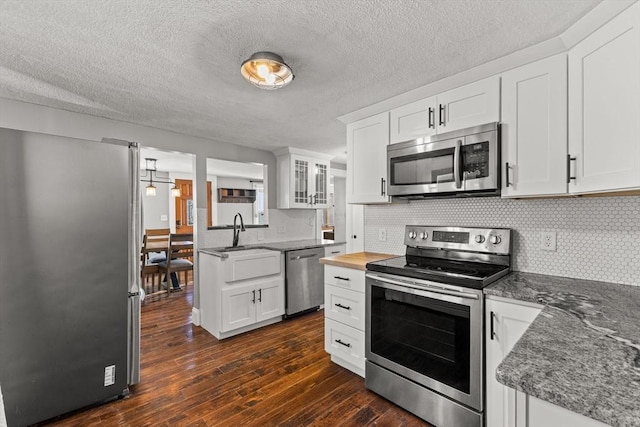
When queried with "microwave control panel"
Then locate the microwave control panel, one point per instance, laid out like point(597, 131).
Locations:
point(476, 160)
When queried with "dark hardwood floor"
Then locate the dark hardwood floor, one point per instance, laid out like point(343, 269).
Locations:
point(279, 375)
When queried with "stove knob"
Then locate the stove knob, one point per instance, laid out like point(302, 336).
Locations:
point(424, 235)
point(412, 234)
point(495, 239)
point(479, 238)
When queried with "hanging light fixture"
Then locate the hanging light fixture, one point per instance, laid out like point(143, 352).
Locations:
point(150, 171)
point(266, 70)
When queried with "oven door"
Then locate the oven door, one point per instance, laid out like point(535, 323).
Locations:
point(415, 167)
point(428, 332)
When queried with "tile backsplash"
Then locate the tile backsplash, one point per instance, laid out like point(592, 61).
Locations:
point(598, 238)
point(284, 224)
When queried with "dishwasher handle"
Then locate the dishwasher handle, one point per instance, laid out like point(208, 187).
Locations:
point(303, 256)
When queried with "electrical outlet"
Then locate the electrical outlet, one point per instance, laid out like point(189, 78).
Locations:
point(548, 242)
point(382, 234)
point(281, 229)
point(260, 235)
point(312, 221)
point(164, 218)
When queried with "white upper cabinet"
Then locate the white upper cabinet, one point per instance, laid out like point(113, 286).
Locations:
point(413, 120)
point(470, 105)
point(604, 107)
point(534, 129)
point(303, 179)
point(367, 142)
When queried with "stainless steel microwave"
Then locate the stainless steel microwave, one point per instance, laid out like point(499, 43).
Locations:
point(465, 162)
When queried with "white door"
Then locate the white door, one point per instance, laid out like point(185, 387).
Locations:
point(604, 106)
point(534, 129)
point(367, 142)
point(270, 299)
point(470, 105)
point(507, 322)
point(413, 120)
point(238, 307)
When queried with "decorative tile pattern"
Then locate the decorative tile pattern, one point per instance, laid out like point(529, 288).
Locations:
point(598, 238)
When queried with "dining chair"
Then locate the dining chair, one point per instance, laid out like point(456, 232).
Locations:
point(155, 240)
point(179, 259)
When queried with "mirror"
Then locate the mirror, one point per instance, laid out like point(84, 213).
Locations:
point(236, 187)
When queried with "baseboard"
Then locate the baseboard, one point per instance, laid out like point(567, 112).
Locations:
point(195, 316)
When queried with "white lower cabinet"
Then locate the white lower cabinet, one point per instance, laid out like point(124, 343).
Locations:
point(344, 311)
point(506, 321)
point(251, 297)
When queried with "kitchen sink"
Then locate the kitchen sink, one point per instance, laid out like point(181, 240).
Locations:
point(243, 264)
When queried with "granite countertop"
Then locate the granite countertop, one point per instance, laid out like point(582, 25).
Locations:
point(357, 260)
point(292, 245)
point(583, 351)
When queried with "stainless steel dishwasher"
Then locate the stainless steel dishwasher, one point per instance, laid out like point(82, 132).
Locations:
point(304, 281)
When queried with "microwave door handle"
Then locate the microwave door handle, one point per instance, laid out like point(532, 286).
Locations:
point(457, 160)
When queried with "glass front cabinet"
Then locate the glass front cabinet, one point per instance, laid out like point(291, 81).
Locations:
point(303, 179)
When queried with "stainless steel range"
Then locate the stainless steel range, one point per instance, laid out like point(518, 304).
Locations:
point(424, 321)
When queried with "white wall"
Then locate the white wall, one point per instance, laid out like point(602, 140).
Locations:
point(154, 207)
point(598, 238)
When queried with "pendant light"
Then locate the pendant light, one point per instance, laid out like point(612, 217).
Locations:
point(266, 70)
point(150, 169)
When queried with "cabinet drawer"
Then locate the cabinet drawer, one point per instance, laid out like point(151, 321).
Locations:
point(343, 277)
point(344, 342)
point(344, 305)
point(335, 250)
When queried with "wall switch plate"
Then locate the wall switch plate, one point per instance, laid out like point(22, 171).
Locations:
point(548, 242)
point(382, 234)
point(164, 218)
point(281, 229)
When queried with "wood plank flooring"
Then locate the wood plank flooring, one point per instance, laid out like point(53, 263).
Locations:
point(279, 375)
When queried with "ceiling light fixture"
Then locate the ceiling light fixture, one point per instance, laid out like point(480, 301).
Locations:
point(266, 70)
point(150, 169)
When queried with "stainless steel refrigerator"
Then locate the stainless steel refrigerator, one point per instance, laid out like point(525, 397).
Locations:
point(69, 309)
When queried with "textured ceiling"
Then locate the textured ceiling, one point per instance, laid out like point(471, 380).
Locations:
point(174, 64)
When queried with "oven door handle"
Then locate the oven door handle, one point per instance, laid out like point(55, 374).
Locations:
point(431, 292)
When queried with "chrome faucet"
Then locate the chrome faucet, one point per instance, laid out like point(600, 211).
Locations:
point(236, 231)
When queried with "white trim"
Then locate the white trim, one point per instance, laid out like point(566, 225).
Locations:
point(292, 150)
point(339, 173)
point(593, 20)
point(195, 316)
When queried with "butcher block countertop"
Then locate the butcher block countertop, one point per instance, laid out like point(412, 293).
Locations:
point(356, 260)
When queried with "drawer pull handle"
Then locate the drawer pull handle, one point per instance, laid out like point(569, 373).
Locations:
point(346, 344)
point(346, 307)
point(341, 278)
point(335, 252)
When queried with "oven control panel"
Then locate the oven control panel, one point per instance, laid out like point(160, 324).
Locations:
point(488, 240)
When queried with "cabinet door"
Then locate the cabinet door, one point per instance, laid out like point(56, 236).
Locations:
point(367, 142)
point(301, 173)
point(270, 299)
point(508, 322)
point(413, 120)
point(320, 184)
point(545, 414)
point(471, 105)
point(534, 128)
point(238, 307)
point(604, 106)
